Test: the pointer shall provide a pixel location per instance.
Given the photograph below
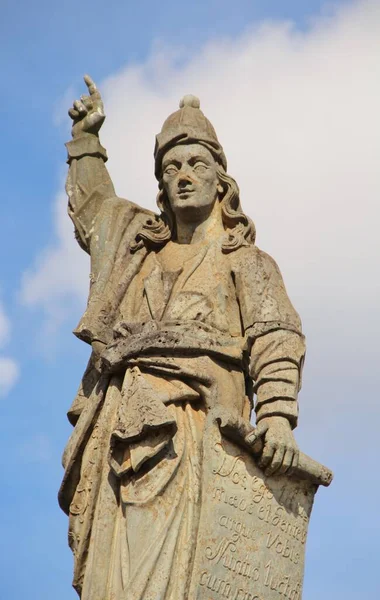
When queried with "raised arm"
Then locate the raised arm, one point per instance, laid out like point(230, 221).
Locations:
point(88, 182)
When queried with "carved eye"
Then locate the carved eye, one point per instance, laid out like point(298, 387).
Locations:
point(171, 170)
point(200, 167)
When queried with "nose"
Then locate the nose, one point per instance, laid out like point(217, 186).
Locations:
point(184, 181)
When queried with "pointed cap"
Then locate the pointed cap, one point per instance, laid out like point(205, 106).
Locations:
point(188, 125)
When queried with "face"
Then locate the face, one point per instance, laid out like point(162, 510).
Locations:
point(190, 181)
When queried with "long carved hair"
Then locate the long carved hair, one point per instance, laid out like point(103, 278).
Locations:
point(240, 230)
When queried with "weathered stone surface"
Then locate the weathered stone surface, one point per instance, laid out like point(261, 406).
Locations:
point(171, 493)
point(252, 532)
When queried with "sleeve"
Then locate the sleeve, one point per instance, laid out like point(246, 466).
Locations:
point(88, 185)
point(274, 336)
point(276, 367)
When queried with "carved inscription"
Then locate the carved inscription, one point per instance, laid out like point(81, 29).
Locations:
point(252, 535)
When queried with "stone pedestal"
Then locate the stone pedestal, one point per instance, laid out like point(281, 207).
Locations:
point(253, 529)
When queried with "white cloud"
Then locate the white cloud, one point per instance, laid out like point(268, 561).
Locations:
point(297, 114)
point(61, 107)
point(9, 369)
point(4, 327)
point(9, 373)
point(59, 278)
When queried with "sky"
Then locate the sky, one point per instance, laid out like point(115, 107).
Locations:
point(293, 90)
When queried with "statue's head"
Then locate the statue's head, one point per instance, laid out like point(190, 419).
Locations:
point(190, 166)
point(190, 183)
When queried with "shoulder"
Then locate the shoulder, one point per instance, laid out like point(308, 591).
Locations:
point(117, 219)
point(125, 207)
point(250, 259)
point(261, 290)
point(117, 214)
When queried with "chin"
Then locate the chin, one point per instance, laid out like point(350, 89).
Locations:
point(192, 211)
point(192, 204)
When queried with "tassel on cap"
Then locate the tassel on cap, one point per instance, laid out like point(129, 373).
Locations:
point(190, 100)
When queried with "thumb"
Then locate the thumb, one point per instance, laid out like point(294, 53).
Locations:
point(260, 429)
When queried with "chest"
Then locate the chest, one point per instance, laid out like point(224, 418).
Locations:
point(179, 286)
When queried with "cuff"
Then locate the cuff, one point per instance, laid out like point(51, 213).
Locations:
point(287, 408)
point(85, 145)
point(269, 390)
point(277, 391)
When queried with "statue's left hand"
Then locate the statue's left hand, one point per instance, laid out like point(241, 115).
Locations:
point(280, 452)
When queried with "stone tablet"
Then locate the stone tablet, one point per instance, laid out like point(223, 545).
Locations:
point(252, 535)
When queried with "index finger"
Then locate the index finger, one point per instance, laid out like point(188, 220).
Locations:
point(90, 84)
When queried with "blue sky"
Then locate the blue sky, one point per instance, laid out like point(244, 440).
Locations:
point(292, 88)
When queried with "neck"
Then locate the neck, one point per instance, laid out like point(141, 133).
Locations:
point(190, 232)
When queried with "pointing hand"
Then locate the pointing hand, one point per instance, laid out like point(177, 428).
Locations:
point(88, 112)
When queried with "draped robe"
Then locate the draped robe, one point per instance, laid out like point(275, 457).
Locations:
point(193, 329)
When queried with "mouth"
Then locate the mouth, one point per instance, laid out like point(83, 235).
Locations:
point(185, 194)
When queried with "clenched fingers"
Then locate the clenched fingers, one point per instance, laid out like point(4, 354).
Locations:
point(267, 455)
point(290, 457)
point(80, 107)
point(87, 102)
point(73, 113)
point(78, 111)
point(276, 462)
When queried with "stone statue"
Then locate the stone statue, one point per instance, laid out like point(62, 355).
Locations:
point(171, 493)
